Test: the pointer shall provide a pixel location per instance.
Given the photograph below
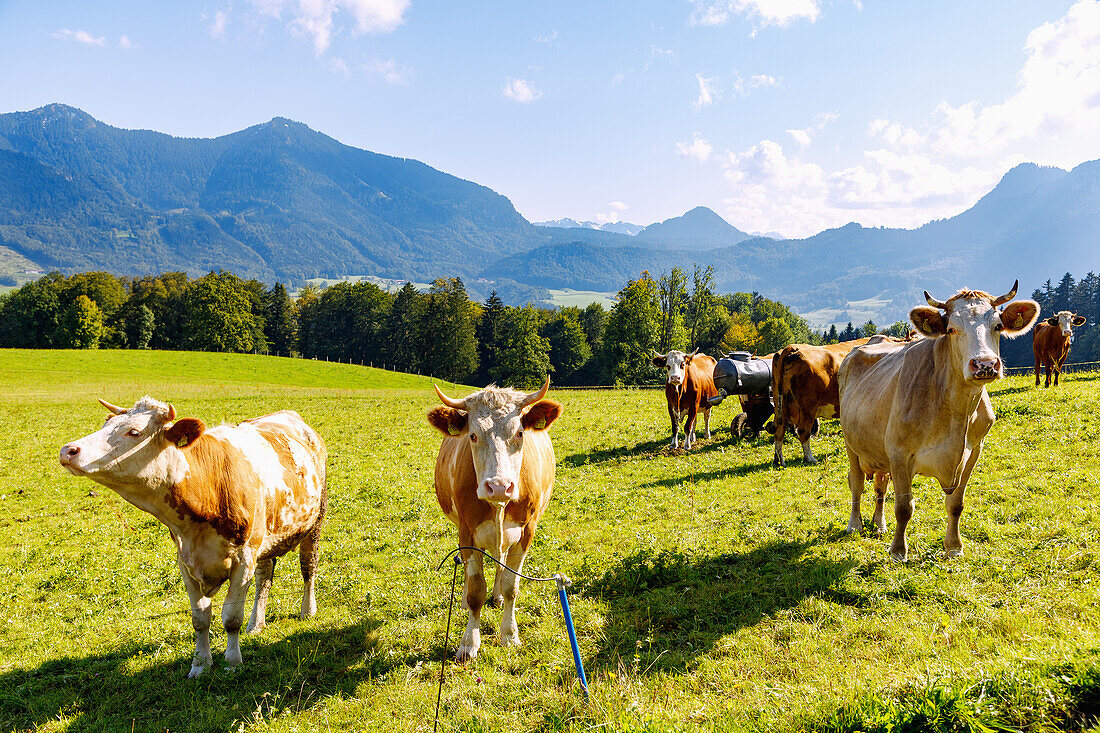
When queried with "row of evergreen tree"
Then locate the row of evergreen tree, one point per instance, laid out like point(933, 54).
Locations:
point(439, 332)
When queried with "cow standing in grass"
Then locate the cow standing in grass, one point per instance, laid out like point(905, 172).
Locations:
point(689, 385)
point(235, 498)
point(921, 407)
point(493, 479)
point(1051, 342)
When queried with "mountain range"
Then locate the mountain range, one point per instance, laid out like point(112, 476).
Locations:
point(280, 201)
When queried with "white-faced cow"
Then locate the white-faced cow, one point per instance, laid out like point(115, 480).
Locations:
point(689, 385)
point(493, 479)
point(1051, 341)
point(921, 407)
point(235, 498)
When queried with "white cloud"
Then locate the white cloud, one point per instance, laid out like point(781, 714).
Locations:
point(802, 137)
point(765, 12)
point(547, 39)
point(126, 43)
point(708, 91)
point(388, 70)
point(773, 191)
point(698, 148)
point(806, 135)
point(662, 54)
point(619, 206)
point(1054, 111)
point(65, 34)
point(218, 23)
point(743, 87)
point(340, 66)
point(317, 19)
point(520, 90)
point(611, 217)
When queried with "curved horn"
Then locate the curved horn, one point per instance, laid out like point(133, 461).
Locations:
point(933, 302)
point(171, 412)
point(694, 352)
point(113, 408)
point(536, 396)
point(452, 403)
point(1007, 296)
point(662, 356)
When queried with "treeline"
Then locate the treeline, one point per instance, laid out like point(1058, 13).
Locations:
point(441, 332)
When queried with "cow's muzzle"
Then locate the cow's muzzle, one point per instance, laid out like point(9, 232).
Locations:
point(985, 368)
point(68, 453)
point(498, 490)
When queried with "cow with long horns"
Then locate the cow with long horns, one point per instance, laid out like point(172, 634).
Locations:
point(689, 385)
point(493, 478)
point(921, 407)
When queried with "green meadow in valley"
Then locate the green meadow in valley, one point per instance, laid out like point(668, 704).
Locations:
point(711, 591)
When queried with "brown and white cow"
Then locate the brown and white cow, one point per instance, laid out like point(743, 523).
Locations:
point(921, 407)
point(1051, 341)
point(804, 388)
point(493, 478)
point(689, 384)
point(235, 498)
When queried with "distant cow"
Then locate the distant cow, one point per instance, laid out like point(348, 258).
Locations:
point(804, 388)
point(1051, 342)
point(688, 387)
point(921, 407)
point(235, 498)
point(493, 479)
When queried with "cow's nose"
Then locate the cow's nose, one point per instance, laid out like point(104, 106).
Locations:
point(674, 379)
point(985, 366)
point(70, 450)
point(496, 488)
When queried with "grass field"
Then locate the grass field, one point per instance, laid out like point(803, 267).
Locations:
point(712, 591)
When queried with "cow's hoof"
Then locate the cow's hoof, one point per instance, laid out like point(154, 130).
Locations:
point(955, 552)
point(879, 531)
point(465, 653)
point(254, 628)
point(899, 556)
point(195, 672)
point(853, 530)
point(811, 461)
point(510, 639)
point(233, 660)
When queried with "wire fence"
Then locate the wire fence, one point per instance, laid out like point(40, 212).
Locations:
point(1071, 368)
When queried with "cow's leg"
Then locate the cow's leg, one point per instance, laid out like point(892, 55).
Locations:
point(265, 571)
point(903, 508)
point(240, 580)
point(855, 483)
point(1047, 383)
point(474, 601)
point(308, 553)
point(509, 587)
point(689, 427)
point(804, 430)
point(780, 422)
point(879, 518)
point(706, 421)
point(200, 619)
point(674, 416)
point(1038, 369)
point(953, 502)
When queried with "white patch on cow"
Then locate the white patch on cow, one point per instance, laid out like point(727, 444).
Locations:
point(676, 366)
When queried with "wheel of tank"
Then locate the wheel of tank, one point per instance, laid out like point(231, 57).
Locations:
point(739, 426)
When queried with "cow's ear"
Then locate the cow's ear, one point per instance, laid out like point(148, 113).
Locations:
point(1078, 320)
point(929, 321)
point(185, 431)
point(447, 420)
point(541, 415)
point(1019, 316)
point(660, 361)
point(1052, 321)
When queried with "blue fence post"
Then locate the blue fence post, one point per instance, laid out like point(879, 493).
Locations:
point(562, 583)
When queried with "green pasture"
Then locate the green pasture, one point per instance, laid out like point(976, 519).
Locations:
point(712, 592)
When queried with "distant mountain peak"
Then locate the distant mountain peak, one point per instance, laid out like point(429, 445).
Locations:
point(698, 228)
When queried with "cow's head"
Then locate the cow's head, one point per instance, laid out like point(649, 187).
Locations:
point(1064, 321)
point(972, 325)
point(494, 422)
point(139, 446)
point(676, 362)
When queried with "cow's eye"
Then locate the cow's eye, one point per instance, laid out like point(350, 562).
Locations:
point(519, 434)
point(133, 432)
point(999, 327)
point(473, 438)
point(952, 330)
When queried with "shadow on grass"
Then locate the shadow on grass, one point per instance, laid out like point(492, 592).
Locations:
point(720, 439)
point(1012, 390)
point(102, 693)
point(744, 469)
point(665, 609)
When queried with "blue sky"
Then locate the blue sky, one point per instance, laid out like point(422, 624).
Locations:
point(781, 115)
